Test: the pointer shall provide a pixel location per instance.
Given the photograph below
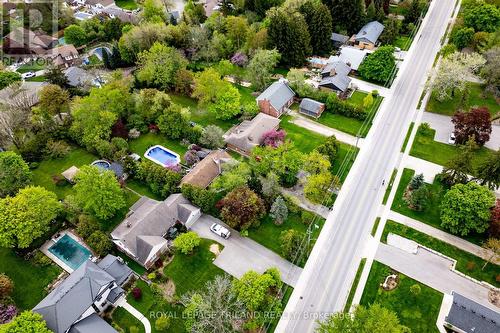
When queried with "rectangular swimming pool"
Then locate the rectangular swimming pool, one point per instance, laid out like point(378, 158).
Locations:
point(162, 156)
point(70, 251)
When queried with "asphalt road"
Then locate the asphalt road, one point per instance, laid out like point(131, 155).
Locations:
point(325, 282)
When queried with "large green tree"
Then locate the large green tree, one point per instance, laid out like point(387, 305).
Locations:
point(98, 192)
point(7, 78)
point(374, 319)
point(482, 17)
point(26, 322)
point(174, 122)
point(288, 33)
point(319, 24)
point(261, 66)
point(379, 65)
point(150, 104)
point(14, 173)
point(234, 174)
point(227, 104)
point(242, 208)
point(74, 34)
point(466, 208)
point(54, 100)
point(347, 15)
point(489, 171)
point(27, 216)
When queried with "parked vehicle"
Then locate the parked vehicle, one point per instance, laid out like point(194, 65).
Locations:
point(28, 75)
point(451, 138)
point(220, 230)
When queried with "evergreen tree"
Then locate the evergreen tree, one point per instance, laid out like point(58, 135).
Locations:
point(371, 12)
point(115, 59)
point(105, 59)
point(348, 15)
point(413, 12)
point(288, 33)
point(319, 25)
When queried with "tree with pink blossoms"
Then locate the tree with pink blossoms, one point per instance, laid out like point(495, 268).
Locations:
point(239, 59)
point(7, 312)
point(273, 138)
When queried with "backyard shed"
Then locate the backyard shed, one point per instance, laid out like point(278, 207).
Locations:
point(70, 174)
point(311, 108)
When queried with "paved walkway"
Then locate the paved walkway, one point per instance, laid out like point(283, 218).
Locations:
point(369, 87)
point(324, 130)
point(321, 210)
point(443, 126)
point(241, 254)
point(134, 312)
point(441, 235)
point(433, 271)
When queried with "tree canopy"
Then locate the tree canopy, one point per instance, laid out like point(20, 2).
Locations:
point(26, 322)
point(379, 65)
point(14, 173)
point(241, 208)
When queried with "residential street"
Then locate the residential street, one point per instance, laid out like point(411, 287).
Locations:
point(241, 254)
point(325, 282)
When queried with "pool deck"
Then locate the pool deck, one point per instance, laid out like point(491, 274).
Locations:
point(166, 150)
point(45, 248)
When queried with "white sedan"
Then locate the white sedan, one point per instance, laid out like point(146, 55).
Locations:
point(28, 75)
point(220, 230)
point(452, 139)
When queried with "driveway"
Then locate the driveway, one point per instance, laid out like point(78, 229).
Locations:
point(444, 126)
point(241, 254)
point(433, 271)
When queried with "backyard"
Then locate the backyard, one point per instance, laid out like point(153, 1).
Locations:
point(477, 97)
point(467, 263)
point(127, 4)
point(146, 140)
point(417, 312)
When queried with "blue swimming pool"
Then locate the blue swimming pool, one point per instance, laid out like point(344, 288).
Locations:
point(70, 252)
point(101, 164)
point(162, 156)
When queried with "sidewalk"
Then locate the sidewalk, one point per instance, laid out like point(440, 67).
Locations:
point(458, 242)
point(134, 312)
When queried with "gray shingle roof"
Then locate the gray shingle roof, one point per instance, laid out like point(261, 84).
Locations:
point(248, 134)
point(115, 267)
point(336, 67)
point(370, 32)
point(339, 38)
point(310, 105)
point(68, 301)
point(278, 94)
point(337, 73)
point(92, 324)
point(77, 76)
point(470, 316)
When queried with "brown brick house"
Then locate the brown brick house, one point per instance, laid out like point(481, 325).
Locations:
point(276, 99)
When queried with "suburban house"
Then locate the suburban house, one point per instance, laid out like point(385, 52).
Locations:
point(64, 55)
point(75, 304)
point(24, 41)
point(21, 94)
point(205, 171)
point(351, 56)
point(276, 98)
point(141, 234)
point(244, 137)
point(338, 39)
point(98, 5)
point(124, 16)
point(465, 315)
point(311, 108)
point(79, 77)
point(335, 77)
point(368, 36)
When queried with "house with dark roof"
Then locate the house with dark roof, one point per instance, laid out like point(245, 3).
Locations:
point(24, 41)
point(276, 99)
point(64, 55)
point(311, 108)
point(248, 134)
point(75, 304)
point(368, 35)
point(467, 316)
point(205, 171)
point(338, 39)
point(79, 77)
point(141, 234)
point(21, 94)
point(335, 77)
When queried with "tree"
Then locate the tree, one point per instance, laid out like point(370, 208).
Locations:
point(419, 198)
point(413, 13)
point(319, 24)
point(279, 211)
point(14, 125)
point(227, 103)
point(175, 121)
point(368, 101)
point(489, 171)
point(261, 6)
point(270, 186)
point(466, 208)
point(140, 38)
point(234, 175)
point(391, 31)
point(261, 66)
point(162, 324)
point(150, 104)
point(154, 11)
point(74, 34)
point(237, 30)
point(291, 243)
point(98, 192)
point(494, 230)
point(27, 216)
point(6, 286)
point(241, 208)
point(26, 322)
point(208, 86)
point(416, 182)
point(316, 163)
point(159, 65)
point(14, 173)
point(297, 81)
point(207, 309)
point(458, 168)
point(160, 180)
point(453, 73)
point(203, 198)
point(329, 148)
point(492, 249)
point(317, 187)
point(100, 243)
point(287, 32)
point(473, 124)
point(212, 137)
point(273, 138)
point(491, 70)
point(7, 78)
point(482, 17)
point(462, 37)
point(379, 65)
point(186, 242)
point(374, 319)
point(54, 100)
point(55, 75)
point(87, 225)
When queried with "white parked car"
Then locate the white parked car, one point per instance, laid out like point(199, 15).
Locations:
point(220, 230)
point(452, 139)
point(28, 75)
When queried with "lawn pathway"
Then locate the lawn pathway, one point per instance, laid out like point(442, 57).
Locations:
point(134, 312)
point(458, 242)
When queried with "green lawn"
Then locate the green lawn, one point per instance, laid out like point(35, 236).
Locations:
point(142, 189)
point(426, 148)
point(304, 139)
point(37, 79)
point(268, 233)
point(127, 4)
point(431, 215)
point(351, 125)
point(419, 313)
point(42, 175)
point(403, 42)
point(125, 320)
point(354, 285)
point(246, 94)
point(141, 144)
point(407, 137)
point(191, 272)
point(477, 97)
point(29, 280)
point(467, 263)
point(200, 115)
point(389, 186)
point(30, 67)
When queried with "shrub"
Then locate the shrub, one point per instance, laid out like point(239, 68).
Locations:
point(100, 243)
point(212, 137)
point(134, 133)
point(293, 204)
point(162, 323)
point(307, 217)
point(152, 276)
point(187, 242)
point(87, 225)
point(57, 149)
point(335, 105)
point(119, 129)
point(239, 59)
point(137, 293)
point(203, 198)
point(161, 181)
point(273, 138)
point(41, 260)
point(104, 149)
point(279, 211)
point(290, 243)
point(415, 289)
point(191, 158)
point(425, 129)
point(6, 285)
point(133, 329)
point(7, 313)
point(416, 182)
